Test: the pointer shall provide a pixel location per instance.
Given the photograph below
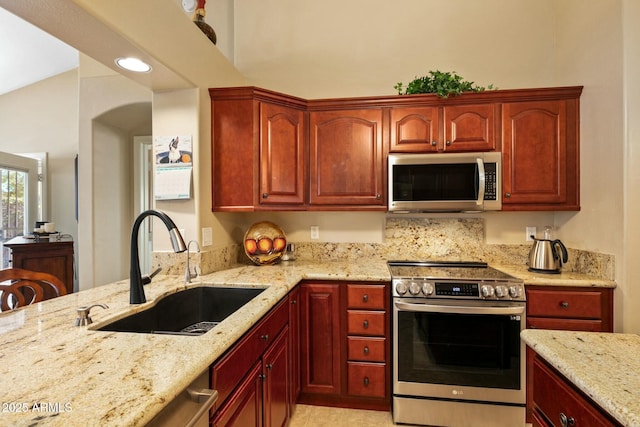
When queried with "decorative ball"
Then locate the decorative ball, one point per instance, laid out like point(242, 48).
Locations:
point(264, 243)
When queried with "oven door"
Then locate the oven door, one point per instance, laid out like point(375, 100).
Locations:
point(463, 350)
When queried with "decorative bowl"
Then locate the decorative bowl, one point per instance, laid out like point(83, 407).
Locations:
point(264, 243)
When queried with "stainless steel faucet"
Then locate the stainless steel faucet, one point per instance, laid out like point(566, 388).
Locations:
point(135, 278)
point(187, 274)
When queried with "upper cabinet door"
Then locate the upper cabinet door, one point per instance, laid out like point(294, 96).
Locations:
point(415, 130)
point(281, 155)
point(540, 155)
point(452, 128)
point(470, 127)
point(346, 162)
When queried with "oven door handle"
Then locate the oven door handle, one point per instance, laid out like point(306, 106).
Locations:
point(430, 308)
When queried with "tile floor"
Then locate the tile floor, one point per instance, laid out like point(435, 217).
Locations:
point(322, 416)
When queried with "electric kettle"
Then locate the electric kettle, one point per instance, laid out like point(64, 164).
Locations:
point(544, 256)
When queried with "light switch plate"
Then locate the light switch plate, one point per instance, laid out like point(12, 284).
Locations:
point(207, 236)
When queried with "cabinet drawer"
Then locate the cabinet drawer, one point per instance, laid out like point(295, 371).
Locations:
point(366, 379)
point(565, 324)
point(556, 303)
point(553, 397)
point(229, 370)
point(361, 322)
point(366, 349)
point(368, 297)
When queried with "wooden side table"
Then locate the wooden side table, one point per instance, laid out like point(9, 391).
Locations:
point(46, 255)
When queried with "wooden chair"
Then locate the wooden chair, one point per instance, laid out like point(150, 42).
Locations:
point(20, 287)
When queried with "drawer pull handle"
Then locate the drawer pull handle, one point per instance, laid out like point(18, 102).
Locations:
point(366, 349)
point(564, 304)
point(366, 381)
point(566, 421)
point(365, 324)
point(365, 298)
point(264, 337)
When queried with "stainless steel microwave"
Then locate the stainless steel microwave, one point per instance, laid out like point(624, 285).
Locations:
point(458, 182)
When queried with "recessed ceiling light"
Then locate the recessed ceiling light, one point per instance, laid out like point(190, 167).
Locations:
point(133, 64)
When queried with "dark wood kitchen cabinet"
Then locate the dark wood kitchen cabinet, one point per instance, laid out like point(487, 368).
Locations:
point(258, 150)
point(48, 256)
point(253, 377)
point(347, 158)
point(345, 349)
point(557, 402)
point(541, 153)
point(449, 128)
point(564, 308)
point(294, 344)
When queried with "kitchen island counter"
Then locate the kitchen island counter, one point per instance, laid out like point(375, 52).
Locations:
point(604, 366)
point(55, 374)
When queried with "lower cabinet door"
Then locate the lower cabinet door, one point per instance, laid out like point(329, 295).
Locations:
point(244, 407)
point(276, 383)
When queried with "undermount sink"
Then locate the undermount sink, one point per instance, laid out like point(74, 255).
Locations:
point(193, 311)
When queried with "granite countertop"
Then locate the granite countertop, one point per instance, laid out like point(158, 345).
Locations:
point(85, 377)
point(604, 366)
point(55, 374)
point(565, 278)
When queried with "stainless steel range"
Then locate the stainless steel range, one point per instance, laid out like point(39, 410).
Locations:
point(458, 357)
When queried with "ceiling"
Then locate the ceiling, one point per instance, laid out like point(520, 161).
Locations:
point(28, 54)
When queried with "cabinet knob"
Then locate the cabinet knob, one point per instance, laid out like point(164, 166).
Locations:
point(294, 302)
point(269, 366)
point(448, 142)
point(365, 324)
point(366, 381)
point(265, 195)
point(264, 337)
point(507, 195)
point(564, 304)
point(566, 421)
point(378, 196)
point(365, 298)
point(366, 349)
point(262, 377)
point(434, 143)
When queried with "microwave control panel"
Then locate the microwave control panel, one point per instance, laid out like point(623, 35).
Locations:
point(491, 181)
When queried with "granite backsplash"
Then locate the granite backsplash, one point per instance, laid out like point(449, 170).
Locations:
point(404, 239)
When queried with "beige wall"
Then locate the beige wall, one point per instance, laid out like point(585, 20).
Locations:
point(630, 293)
point(44, 118)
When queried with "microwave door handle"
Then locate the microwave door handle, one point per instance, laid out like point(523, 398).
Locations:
point(430, 308)
point(481, 182)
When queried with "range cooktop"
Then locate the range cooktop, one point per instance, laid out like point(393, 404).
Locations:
point(453, 279)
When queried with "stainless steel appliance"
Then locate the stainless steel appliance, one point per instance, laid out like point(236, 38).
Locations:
point(544, 256)
point(191, 407)
point(445, 182)
point(458, 360)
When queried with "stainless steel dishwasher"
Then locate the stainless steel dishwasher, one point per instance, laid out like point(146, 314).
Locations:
point(191, 407)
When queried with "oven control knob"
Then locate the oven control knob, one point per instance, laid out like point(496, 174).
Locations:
point(414, 288)
point(515, 291)
point(401, 288)
point(487, 291)
point(501, 291)
point(427, 288)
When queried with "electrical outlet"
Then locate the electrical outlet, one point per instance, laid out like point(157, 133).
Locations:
point(207, 236)
point(315, 232)
point(530, 231)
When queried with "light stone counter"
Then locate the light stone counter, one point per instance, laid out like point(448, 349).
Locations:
point(55, 374)
point(605, 366)
point(546, 279)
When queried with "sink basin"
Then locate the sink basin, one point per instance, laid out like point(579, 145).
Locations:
point(193, 311)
